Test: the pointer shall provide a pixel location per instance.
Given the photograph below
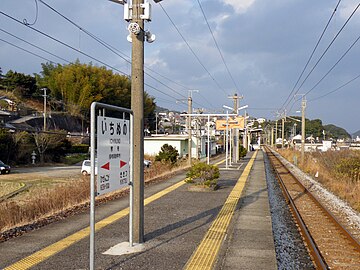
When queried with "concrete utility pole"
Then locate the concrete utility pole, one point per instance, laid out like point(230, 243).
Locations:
point(189, 129)
point(137, 105)
point(189, 125)
point(45, 96)
point(276, 132)
point(235, 138)
point(272, 136)
point(245, 141)
point(303, 107)
point(282, 131)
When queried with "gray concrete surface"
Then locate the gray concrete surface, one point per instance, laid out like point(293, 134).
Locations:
point(250, 243)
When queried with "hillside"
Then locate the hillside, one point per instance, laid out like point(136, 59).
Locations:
point(336, 132)
point(355, 134)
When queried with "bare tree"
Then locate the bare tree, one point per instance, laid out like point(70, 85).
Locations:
point(45, 141)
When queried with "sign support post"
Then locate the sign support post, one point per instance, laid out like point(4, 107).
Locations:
point(114, 150)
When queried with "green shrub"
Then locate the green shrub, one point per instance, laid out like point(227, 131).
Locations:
point(167, 153)
point(349, 166)
point(242, 151)
point(80, 148)
point(203, 174)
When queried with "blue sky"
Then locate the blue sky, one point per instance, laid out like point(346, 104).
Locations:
point(265, 45)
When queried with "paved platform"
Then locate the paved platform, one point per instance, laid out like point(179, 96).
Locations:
point(250, 244)
point(180, 224)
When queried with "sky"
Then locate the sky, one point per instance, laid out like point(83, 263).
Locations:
point(257, 49)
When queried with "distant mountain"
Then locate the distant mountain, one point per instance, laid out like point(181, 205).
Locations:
point(336, 132)
point(355, 134)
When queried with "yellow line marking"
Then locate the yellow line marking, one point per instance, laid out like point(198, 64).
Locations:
point(205, 255)
point(51, 250)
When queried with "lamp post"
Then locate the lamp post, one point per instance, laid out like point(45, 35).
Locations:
point(45, 96)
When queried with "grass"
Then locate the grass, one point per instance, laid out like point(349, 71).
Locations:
point(8, 187)
point(42, 202)
point(48, 197)
point(338, 171)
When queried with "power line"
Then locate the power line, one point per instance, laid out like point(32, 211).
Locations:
point(33, 45)
point(217, 46)
point(336, 89)
point(312, 53)
point(328, 47)
point(118, 52)
point(192, 51)
point(63, 43)
point(337, 62)
point(108, 46)
point(66, 45)
point(25, 50)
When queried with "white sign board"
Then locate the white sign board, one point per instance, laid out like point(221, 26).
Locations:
point(113, 154)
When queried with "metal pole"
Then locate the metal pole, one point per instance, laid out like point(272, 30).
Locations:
point(303, 106)
point(156, 123)
point(137, 105)
point(276, 132)
point(272, 136)
point(282, 131)
point(227, 140)
point(92, 186)
point(131, 183)
point(189, 129)
point(44, 89)
point(245, 132)
point(230, 147)
point(208, 139)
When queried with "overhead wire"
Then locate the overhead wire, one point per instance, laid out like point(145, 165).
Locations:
point(25, 50)
point(68, 46)
point(61, 42)
point(114, 50)
point(35, 46)
point(118, 52)
point(328, 47)
point(313, 52)
point(336, 89)
point(217, 46)
point(191, 50)
point(337, 62)
point(106, 45)
point(36, 15)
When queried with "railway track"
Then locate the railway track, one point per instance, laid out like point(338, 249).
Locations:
point(330, 244)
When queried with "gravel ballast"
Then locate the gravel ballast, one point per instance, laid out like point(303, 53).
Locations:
point(290, 250)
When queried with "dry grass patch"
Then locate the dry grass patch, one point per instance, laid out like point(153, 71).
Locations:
point(9, 187)
point(42, 202)
point(338, 171)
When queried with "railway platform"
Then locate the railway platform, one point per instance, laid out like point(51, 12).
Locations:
point(229, 228)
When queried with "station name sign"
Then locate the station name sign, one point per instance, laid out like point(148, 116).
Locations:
point(113, 153)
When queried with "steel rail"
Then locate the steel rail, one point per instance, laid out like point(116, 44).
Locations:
point(313, 248)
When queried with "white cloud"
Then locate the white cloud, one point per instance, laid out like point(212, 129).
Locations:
point(240, 6)
point(347, 9)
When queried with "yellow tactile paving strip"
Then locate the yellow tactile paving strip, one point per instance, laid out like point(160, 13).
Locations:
point(205, 255)
point(51, 250)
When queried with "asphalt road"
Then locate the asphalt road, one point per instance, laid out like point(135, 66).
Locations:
point(29, 173)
